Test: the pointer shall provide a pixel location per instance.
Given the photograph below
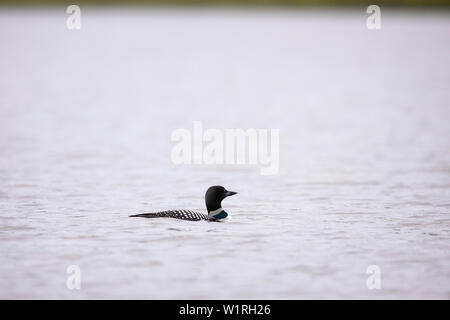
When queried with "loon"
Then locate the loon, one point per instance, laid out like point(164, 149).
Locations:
point(213, 198)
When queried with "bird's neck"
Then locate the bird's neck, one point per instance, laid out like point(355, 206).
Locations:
point(213, 205)
point(217, 214)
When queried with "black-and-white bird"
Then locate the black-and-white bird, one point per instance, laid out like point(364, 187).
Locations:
point(213, 198)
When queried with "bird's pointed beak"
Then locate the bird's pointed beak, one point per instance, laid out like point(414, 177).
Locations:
point(230, 193)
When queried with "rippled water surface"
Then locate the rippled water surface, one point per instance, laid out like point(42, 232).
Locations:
point(85, 124)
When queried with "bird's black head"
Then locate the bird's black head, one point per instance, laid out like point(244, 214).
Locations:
point(214, 196)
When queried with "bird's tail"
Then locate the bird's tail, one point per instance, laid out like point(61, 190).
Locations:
point(146, 215)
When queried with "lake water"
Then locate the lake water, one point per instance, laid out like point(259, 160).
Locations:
point(86, 118)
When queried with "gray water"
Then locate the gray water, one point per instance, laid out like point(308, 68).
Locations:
point(86, 118)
